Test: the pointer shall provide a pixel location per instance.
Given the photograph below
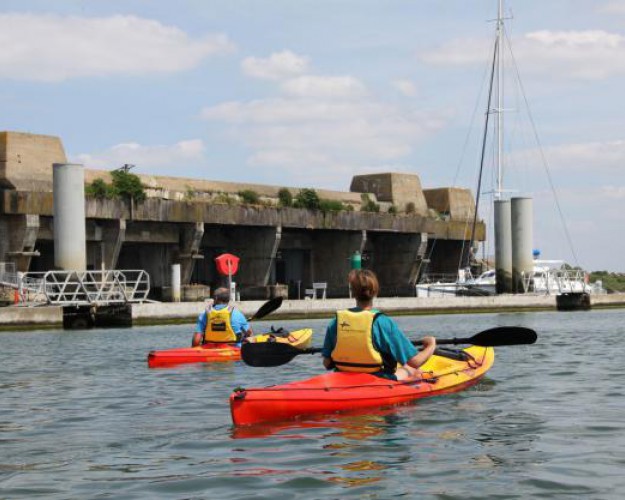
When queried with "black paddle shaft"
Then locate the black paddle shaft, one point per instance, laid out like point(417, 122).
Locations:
point(276, 353)
point(495, 337)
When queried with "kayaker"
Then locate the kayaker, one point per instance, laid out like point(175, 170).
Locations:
point(221, 322)
point(362, 339)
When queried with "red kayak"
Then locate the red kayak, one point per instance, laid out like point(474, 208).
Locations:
point(215, 353)
point(340, 391)
point(207, 353)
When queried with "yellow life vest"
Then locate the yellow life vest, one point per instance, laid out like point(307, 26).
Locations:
point(354, 350)
point(219, 326)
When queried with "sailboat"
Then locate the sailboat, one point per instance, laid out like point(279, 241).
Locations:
point(530, 274)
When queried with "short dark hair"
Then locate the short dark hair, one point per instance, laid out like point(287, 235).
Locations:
point(364, 284)
point(222, 295)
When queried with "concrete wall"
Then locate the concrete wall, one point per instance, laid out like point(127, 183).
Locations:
point(26, 160)
point(183, 221)
point(393, 257)
point(398, 189)
point(457, 203)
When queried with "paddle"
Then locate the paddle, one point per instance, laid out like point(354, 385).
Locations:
point(267, 308)
point(277, 353)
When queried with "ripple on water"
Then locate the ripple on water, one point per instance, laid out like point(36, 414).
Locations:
point(83, 417)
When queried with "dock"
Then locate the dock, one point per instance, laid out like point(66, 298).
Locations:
point(154, 313)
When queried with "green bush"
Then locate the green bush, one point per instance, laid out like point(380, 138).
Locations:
point(99, 189)
point(285, 198)
point(331, 205)
point(392, 210)
point(410, 207)
point(249, 197)
point(127, 185)
point(368, 205)
point(224, 198)
point(307, 198)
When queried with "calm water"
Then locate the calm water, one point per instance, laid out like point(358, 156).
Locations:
point(81, 416)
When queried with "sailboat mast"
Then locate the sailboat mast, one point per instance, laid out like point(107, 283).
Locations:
point(500, 100)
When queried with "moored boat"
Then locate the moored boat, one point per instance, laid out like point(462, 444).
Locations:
point(220, 352)
point(341, 391)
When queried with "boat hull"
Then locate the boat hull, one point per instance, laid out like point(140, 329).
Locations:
point(216, 353)
point(340, 391)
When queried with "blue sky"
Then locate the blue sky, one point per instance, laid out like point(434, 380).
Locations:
point(308, 93)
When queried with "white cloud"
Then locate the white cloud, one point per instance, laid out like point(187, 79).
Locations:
point(328, 87)
point(165, 160)
point(277, 66)
point(608, 156)
point(53, 48)
point(615, 193)
point(406, 87)
point(323, 138)
point(614, 7)
point(585, 55)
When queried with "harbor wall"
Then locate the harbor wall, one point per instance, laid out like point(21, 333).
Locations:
point(16, 318)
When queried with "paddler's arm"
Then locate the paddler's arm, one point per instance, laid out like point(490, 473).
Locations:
point(240, 324)
point(429, 345)
point(200, 328)
point(329, 343)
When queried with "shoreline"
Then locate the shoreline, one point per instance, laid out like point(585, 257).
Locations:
point(155, 313)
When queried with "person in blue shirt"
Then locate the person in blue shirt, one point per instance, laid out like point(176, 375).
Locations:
point(362, 339)
point(221, 322)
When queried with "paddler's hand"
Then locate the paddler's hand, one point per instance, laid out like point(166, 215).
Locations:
point(429, 342)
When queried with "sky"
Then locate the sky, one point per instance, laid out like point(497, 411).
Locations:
point(308, 93)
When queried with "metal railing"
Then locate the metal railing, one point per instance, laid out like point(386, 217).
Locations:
point(81, 287)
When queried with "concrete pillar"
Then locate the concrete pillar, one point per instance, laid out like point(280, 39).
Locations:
point(19, 236)
point(272, 256)
point(190, 241)
point(419, 258)
point(521, 210)
point(175, 283)
point(69, 217)
point(113, 236)
point(503, 246)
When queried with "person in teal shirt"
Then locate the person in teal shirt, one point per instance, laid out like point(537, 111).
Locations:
point(387, 338)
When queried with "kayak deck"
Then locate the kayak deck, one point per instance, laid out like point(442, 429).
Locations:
point(340, 391)
point(221, 352)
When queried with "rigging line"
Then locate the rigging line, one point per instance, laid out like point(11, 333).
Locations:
point(479, 183)
point(543, 157)
point(462, 155)
point(457, 174)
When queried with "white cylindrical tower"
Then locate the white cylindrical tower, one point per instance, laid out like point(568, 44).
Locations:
point(68, 184)
point(175, 282)
point(521, 210)
point(503, 246)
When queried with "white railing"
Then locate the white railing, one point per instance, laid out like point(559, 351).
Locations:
point(86, 287)
point(557, 281)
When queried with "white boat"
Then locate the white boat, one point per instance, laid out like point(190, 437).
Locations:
point(552, 277)
point(464, 285)
point(548, 277)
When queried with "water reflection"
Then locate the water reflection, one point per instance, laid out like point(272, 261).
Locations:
point(81, 416)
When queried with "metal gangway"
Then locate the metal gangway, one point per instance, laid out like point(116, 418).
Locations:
point(79, 287)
